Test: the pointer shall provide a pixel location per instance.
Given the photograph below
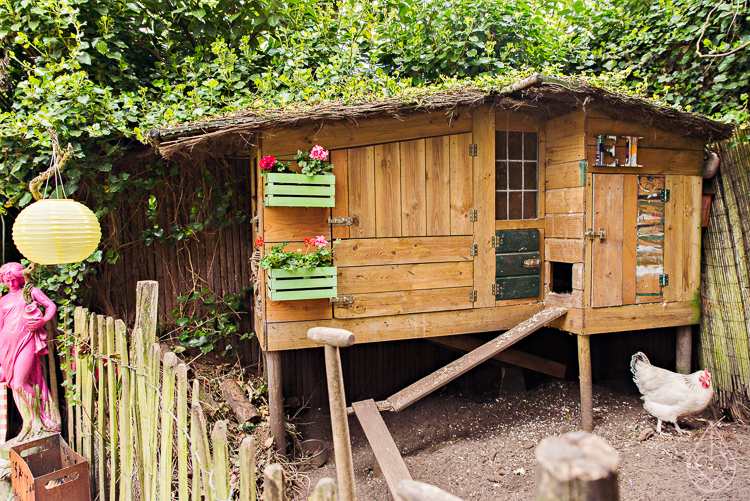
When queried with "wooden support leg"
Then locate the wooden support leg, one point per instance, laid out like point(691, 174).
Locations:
point(276, 400)
point(342, 445)
point(587, 391)
point(684, 348)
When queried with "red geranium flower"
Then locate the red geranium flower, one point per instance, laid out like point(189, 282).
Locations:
point(259, 242)
point(267, 163)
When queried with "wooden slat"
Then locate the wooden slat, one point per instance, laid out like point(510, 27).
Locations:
point(340, 161)
point(125, 413)
point(294, 311)
point(345, 134)
point(654, 161)
point(572, 300)
point(565, 126)
point(564, 226)
point(294, 224)
point(606, 287)
point(445, 375)
point(572, 322)
point(437, 185)
point(386, 452)
point(112, 406)
point(519, 224)
point(508, 355)
point(568, 175)
point(629, 235)
point(401, 302)
point(563, 250)
point(691, 275)
point(652, 137)
point(362, 192)
point(514, 121)
point(642, 316)
point(293, 335)
point(565, 201)
point(413, 199)
point(566, 150)
point(169, 369)
point(673, 235)
point(361, 279)
point(462, 195)
point(387, 190)
point(371, 252)
point(578, 276)
point(98, 350)
point(484, 203)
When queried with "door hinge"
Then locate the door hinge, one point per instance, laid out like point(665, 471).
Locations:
point(472, 150)
point(665, 195)
point(663, 280)
point(473, 296)
point(495, 241)
point(340, 221)
point(494, 289)
point(341, 300)
point(473, 250)
point(473, 215)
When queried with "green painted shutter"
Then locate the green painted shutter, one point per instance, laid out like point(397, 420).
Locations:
point(512, 278)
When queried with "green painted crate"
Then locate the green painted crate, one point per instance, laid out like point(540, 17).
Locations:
point(312, 283)
point(300, 190)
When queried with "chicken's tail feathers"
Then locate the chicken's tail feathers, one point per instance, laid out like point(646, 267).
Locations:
point(638, 357)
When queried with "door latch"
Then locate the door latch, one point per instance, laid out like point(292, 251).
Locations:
point(532, 263)
point(591, 234)
point(342, 300)
point(340, 221)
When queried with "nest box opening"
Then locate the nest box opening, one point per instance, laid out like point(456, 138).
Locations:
point(561, 277)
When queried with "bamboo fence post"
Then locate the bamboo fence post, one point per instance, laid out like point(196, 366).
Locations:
point(196, 487)
point(220, 460)
point(182, 424)
point(101, 426)
point(153, 364)
point(324, 490)
point(126, 403)
point(274, 486)
point(114, 439)
point(167, 425)
point(247, 469)
point(204, 454)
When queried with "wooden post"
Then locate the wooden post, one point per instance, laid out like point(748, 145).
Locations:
point(418, 491)
point(577, 466)
point(247, 469)
point(587, 390)
point(324, 491)
point(276, 400)
point(128, 387)
point(147, 309)
point(684, 348)
point(195, 487)
point(198, 420)
point(183, 486)
point(101, 416)
point(220, 460)
point(169, 370)
point(114, 439)
point(342, 445)
point(274, 487)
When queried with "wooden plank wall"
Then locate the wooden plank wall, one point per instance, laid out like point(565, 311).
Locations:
point(565, 204)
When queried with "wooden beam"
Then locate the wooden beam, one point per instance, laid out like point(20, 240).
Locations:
point(587, 391)
point(684, 348)
point(276, 400)
point(509, 355)
point(386, 452)
point(445, 375)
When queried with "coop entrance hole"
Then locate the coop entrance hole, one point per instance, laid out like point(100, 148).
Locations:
point(561, 279)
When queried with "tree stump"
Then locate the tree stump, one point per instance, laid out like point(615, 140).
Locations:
point(576, 467)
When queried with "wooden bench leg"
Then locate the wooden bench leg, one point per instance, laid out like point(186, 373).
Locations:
point(587, 390)
point(276, 400)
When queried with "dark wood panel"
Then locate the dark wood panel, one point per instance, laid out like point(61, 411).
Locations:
point(512, 264)
point(517, 287)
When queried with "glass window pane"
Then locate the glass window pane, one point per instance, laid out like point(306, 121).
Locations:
point(529, 176)
point(515, 176)
point(529, 145)
point(529, 205)
point(515, 142)
point(515, 209)
point(501, 175)
point(501, 152)
point(501, 206)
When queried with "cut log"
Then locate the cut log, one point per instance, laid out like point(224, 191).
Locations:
point(445, 375)
point(577, 466)
point(386, 452)
point(508, 356)
point(237, 400)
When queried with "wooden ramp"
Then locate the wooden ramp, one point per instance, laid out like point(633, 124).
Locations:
point(386, 453)
point(445, 375)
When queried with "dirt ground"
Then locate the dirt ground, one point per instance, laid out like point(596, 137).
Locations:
point(481, 447)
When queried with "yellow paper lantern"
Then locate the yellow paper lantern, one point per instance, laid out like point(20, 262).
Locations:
point(56, 231)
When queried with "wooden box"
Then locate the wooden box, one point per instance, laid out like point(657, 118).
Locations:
point(299, 190)
point(312, 283)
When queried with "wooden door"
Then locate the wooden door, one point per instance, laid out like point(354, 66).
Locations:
point(627, 263)
point(408, 249)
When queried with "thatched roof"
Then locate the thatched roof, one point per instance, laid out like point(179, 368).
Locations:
point(539, 95)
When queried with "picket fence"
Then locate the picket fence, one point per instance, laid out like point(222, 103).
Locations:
point(130, 407)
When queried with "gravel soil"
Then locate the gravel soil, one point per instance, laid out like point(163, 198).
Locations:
point(481, 447)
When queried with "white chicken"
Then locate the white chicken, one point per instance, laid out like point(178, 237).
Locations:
point(667, 395)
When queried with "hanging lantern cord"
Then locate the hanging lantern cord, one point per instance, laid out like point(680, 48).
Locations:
point(58, 160)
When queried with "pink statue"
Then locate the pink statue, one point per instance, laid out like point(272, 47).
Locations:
point(23, 341)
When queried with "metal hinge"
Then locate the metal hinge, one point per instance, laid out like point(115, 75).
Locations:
point(495, 241)
point(665, 195)
point(341, 300)
point(472, 150)
point(473, 250)
point(663, 280)
point(494, 289)
point(473, 215)
point(593, 234)
point(473, 296)
point(340, 221)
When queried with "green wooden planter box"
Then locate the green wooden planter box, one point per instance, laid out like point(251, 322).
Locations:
point(300, 190)
point(312, 283)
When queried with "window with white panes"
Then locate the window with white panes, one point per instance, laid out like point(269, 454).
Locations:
point(516, 175)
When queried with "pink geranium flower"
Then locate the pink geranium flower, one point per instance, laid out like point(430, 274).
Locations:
point(266, 163)
point(318, 153)
point(320, 241)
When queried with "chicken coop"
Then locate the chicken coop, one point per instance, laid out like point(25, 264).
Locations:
point(472, 212)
